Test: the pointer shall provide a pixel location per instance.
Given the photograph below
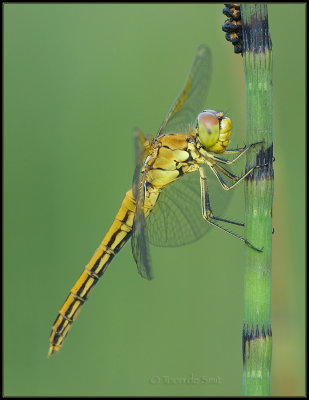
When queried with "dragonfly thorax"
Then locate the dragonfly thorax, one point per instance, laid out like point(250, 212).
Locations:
point(213, 131)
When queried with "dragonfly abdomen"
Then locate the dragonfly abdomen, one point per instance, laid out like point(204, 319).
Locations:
point(116, 237)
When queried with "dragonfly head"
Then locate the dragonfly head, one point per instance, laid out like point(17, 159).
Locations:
point(213, 130)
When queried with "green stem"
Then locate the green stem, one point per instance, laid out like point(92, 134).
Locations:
point(257, 335)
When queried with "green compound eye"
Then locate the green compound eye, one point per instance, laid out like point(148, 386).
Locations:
point(208, 128)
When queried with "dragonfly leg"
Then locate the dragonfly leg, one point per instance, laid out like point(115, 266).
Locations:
point(207, 203)
point(240, 153)
point(207, 213)
point(230, 175)
point(226, 172)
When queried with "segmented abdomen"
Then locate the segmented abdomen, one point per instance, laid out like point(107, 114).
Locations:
point(116, 237)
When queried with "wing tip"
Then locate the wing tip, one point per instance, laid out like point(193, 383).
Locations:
point(147, 276)
point(202, 48)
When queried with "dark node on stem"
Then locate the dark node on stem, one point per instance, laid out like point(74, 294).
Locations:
point(264, 163)
point(256, 36)
point(232, 26)
point(251, 335)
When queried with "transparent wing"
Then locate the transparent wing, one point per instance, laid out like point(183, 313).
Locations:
point(142, 146)
point(139, 234)
point(177, 219)
point(139, 240)
point(191, 100)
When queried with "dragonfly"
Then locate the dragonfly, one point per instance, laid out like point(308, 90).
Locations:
point(169, 202)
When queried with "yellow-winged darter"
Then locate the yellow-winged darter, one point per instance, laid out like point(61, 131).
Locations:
point(169, 203)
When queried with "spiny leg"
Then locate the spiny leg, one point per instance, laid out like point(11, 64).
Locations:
point(207, 213)
point(242, 149)
point(240, 153)
point(226, 172)
point(214, 168)
point(207, 202)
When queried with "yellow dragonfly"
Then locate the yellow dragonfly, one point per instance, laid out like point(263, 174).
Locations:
point(169, 203)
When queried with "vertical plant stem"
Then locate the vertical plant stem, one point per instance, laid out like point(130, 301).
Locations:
point(257, 334)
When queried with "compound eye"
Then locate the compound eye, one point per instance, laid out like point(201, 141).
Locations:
point(208, 128)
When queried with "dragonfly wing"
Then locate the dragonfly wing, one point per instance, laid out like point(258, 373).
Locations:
point(142, 146)
point(191, 100)
point(139, 154)
point(139, 234)
point(177, 218)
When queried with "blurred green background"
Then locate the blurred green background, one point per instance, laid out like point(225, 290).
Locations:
point(77, 79)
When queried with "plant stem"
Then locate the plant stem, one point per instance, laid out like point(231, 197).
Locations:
point(257, 334)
